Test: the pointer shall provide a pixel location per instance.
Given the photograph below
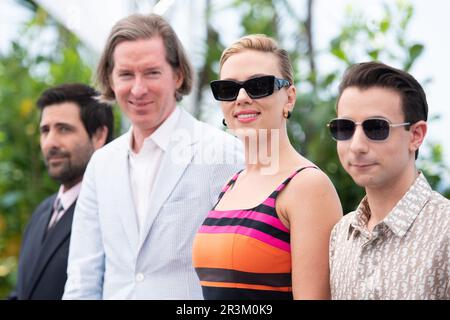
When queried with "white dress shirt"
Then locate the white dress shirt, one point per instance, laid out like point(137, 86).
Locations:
point(144, 165)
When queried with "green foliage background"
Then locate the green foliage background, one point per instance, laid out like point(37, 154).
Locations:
point(31, 65)
point(25, 72)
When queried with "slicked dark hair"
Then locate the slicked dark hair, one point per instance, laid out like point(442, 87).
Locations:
point(376, 74)
point(93, 113)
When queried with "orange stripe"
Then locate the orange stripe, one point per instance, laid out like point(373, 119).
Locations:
point(244, 286)
point(259, 257)
point(212, 250)
point(239, 252)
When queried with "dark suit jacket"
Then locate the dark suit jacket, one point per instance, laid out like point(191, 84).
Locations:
point(43, 257)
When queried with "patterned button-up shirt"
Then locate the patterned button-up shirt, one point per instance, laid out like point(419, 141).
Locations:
point(406, 256)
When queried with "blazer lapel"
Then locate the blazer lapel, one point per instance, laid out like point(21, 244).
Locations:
point(171, 169)
point(121, 197)
point(33, 250)
point(43, 222)
point(52, 241)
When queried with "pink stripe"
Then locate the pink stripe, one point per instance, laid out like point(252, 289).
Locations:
point(254, 215)
point(227, 186)
point(270, 202)
point(294, 173)
point(252, 233)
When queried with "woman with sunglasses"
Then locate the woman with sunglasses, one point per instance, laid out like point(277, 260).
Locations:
point(267, 237)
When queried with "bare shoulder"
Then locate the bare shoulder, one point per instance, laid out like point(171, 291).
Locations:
point(311, 195)
point(311, 181)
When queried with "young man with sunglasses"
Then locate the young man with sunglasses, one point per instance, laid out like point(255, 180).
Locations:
point(396, 244)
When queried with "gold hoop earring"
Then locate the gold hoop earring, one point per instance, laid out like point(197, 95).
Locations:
point(287, 115)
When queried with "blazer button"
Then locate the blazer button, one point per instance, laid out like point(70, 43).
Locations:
point(140, 277)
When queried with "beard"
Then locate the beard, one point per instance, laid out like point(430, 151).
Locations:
point(68, 168)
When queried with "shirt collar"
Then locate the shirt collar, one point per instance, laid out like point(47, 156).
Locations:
point(161, 136)
point(68, 198)
point(402, 216)
point(358, 222)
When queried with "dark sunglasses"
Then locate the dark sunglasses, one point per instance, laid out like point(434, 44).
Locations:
point(374, 128)
point(228, 90)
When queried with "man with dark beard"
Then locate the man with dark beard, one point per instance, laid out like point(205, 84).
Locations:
point(73, 125)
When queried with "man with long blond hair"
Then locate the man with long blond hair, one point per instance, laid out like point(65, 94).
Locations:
point(145, 195)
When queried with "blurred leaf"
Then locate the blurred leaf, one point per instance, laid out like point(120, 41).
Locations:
point(374, 54)
point(339, 53)
point(414, 52)
point(329, 79)
point(384, 25)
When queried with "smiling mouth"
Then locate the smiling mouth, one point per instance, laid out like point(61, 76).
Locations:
point(140, 104)
point(247, 116)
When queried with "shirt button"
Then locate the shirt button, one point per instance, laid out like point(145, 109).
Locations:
point(140, 277)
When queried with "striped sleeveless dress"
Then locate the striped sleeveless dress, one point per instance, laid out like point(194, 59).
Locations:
point(244, 254)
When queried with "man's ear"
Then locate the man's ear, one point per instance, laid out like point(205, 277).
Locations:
point(179, 78)
point(111, 82)
point(99, 137)
point(418, 131)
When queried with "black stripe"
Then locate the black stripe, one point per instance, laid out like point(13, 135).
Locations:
point(249, 223)
point(274, 194)
point(218, 199)
point(266, 209)
point(232, 181)
point(234, 276)
point(215, 293)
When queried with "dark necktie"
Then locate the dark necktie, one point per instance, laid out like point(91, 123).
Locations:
point(58, 210)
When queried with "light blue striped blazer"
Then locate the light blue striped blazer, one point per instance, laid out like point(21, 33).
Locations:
point(109, 258)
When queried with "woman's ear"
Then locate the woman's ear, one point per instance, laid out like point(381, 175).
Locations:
point(292, 97)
